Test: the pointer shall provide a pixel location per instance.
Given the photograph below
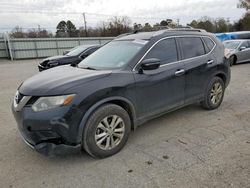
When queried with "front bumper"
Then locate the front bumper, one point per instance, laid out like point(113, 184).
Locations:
point(49, 132)
point(49, 149)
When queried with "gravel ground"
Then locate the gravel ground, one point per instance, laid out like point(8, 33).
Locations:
point(191, 147)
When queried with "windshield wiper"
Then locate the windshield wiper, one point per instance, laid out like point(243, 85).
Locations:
point(89, 68)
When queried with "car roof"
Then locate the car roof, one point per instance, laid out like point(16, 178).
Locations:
point(237, 40)
point(160, 33)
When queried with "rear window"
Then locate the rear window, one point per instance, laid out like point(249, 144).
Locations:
point(191, 47)
point(209, 43)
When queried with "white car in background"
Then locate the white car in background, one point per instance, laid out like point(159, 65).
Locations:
point(239, 51)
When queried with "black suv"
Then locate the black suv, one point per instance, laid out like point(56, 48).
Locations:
point(128, 81)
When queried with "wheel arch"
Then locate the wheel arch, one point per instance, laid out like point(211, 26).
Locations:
point(120, 101)
point(222, 76)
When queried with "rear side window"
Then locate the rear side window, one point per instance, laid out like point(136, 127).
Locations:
point(164, 50)
point(209, 43)
point(191, 47)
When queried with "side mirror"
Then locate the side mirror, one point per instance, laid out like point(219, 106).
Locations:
point(150, 64)
point(242, 48)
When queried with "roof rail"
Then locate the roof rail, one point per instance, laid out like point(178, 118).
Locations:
point(187, 29)
point(164, 29)
point(159, 32)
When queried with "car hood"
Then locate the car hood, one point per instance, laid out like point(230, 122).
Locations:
point(55, 57)
point(64, 58)
point(55, 81)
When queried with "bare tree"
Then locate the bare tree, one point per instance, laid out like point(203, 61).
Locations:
point(17, 32)
point(119, 25)
point(32, 33)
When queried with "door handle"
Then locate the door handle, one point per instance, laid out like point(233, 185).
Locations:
point(179, 72)
point(210, 62)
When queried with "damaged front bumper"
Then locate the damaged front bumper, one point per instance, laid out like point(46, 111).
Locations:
point(51, 149)
point(49, 133)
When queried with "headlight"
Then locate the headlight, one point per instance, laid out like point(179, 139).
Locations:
point(46, 103)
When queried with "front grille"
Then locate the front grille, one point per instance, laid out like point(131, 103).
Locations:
point(18, 97)
point(20, 101)
point(31, 101)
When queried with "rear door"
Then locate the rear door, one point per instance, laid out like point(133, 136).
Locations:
point(161, 89)
point(199, 64)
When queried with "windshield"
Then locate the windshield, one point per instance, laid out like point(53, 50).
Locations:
point(115, 54)
point(77, 50)
point(231, 44)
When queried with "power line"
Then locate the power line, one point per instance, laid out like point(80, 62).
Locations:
point(65, 13)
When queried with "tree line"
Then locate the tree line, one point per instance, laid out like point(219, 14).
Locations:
point(119, 25)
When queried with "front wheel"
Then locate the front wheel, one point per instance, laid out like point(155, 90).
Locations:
point(232, 60)
point(107, 131)
point(214, 94)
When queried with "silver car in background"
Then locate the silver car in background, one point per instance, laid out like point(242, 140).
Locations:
point(239, 51)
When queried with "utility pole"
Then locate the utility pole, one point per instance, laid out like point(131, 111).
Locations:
point(39, 30)
point(85, 24)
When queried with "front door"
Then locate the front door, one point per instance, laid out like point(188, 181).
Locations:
point(161, 89)
point(244, 54)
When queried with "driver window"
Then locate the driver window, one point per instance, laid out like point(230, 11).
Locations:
point(164, 50)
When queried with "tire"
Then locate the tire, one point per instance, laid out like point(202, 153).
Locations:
point(107, 122)
point(213, 97)
point(232, 60)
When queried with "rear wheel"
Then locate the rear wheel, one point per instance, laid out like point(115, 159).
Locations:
point(214, 94)
point(106, 131)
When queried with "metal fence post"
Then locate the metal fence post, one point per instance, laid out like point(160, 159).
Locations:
point(35, 44)
point(57, 48)
point(9, 46)
point(6, 45)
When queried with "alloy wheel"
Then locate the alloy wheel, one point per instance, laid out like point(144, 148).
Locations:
point(216, 93)
point(109, 132)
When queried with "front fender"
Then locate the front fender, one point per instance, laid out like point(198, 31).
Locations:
point(97, 105)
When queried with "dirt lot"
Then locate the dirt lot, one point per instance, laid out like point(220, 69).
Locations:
point(191, 147)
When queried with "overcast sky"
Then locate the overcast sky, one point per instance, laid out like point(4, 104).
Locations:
point(47, 13)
